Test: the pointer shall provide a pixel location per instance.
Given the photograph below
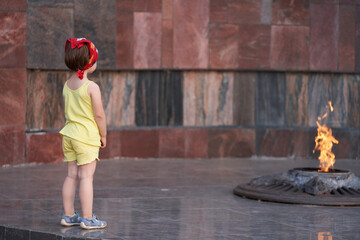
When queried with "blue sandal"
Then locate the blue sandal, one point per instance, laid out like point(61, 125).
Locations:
point(92, 223)
point(69, 221)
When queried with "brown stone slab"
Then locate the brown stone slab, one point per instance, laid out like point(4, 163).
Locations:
point(13, 5)
point(347, 28)
point(167, 44)
point(244, 99)
point(12, 144)
point(231, 143)
point(44, 148)
point(218, 11)
point(244, 11)
point(196, 143)
point(12, 56)
point(147, 40)
point(289, 48)
point(12, 97)
point(254, 47)
point(282, 143)
point(44, 92)
point(12, 28)
point(113, 145)
point(124, 10)
point(324, 37)
point(147, 5)
point(191, 19)
point(124, 45)
point(171, 143)
point(288, 12)
point(223, 46)
point(140, 143)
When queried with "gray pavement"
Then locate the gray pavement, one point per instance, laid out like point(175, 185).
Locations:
point(169, 199)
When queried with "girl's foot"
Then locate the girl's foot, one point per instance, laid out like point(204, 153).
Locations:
point(93, 223)
point(69, 221)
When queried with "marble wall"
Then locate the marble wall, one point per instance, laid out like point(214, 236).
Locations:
point(12, 81)
point(184, 78)
point(205, 114)
point(307, 35)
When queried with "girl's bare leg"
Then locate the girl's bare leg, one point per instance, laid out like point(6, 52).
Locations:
point(69, 188)
point(86, 176)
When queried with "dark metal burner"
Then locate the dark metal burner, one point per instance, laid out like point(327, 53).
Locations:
point(305, 186)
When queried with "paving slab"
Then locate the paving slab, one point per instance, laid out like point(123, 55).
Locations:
point(180, 199)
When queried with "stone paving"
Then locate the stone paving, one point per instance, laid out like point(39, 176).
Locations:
point(152, 199)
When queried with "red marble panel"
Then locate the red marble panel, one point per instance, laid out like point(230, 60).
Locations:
point(348, 145)
point(324, 37)
point(147, 40)
point(124, 46)
point(44, 148)
point(282, 143)
point(12, 56)
point(289, 12)
point(172, 143)
point(147, 5)
point(231, 143)
point(347, 32)
point(244, 11)
point(289, 47)
point(141, 143)
point(13, 5)
point(12, 28)
point(196, 143)
point(218, 11)
point(191, 19)
point(167, 44)
point(12, 97)
point(113, 145)
point(167, 9)
point(124, 10)
point(223, 46)
point(254, 47)
point(12, 144)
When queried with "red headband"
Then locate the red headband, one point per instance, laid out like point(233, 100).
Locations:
point(79, 42)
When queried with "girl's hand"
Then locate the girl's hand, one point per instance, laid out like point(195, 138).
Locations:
point(103, 142)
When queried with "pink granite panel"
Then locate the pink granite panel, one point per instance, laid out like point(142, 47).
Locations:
point(231, 143)
point(289, 48)
point(167, 9)
point(44, 148)
point(124, 45)
point(208, 98)
point(171, 143)
point(12, 144)
point(139, 143)
point(324, 37)
point(196, 143)
point(244, 11)
point(13, 5)
point(254, 47)
point(218, 11)
point(347, 32)
point(12, 56)
point(12, 28)
point(289, 12)
point(124, 10)
point(147, 40)
point(223, 46)
point(113, 145)
point(167, 44)
point(147, 5)
point(191, 19)
point(12, 97)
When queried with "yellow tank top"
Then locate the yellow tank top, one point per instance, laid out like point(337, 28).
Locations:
point(80, 121)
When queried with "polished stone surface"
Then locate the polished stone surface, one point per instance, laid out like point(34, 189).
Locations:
point(169, 199)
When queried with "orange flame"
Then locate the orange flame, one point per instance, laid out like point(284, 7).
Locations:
point(324, 143)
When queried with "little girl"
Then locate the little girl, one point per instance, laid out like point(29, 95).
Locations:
point(84, 132)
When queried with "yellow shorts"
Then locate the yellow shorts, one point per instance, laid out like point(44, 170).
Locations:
point(77, 151)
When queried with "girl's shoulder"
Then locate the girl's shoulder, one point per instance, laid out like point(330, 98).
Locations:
point(93, 88)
